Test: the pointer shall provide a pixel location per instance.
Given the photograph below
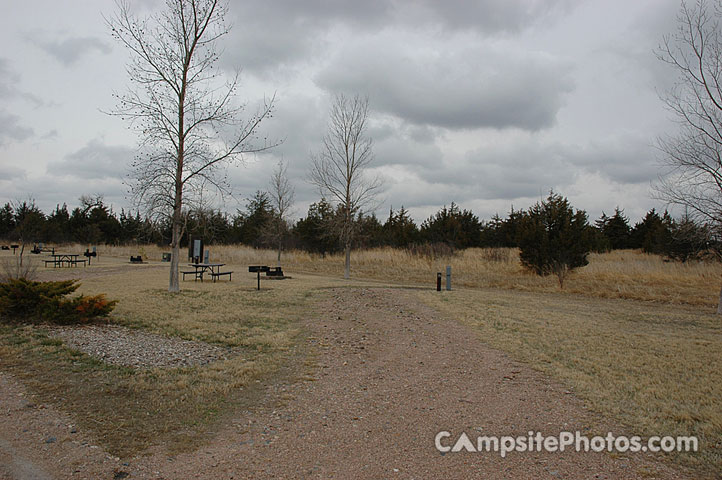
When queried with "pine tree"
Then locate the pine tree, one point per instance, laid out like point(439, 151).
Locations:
point(553, 238)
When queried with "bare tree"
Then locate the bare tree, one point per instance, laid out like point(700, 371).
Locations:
point(338, 169)
point(282, 196)
point(191, 127)
point(693, 157)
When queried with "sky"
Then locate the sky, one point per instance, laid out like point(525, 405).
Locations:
point(489, 103)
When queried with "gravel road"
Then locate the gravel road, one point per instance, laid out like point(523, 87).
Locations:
point(390, 374)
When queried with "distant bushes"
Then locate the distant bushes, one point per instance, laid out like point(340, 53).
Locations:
point(430, 251)
point(29, 301)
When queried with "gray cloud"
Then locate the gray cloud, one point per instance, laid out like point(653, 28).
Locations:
point(50, 135)
point(300, 28)
point(624, 159)
point(9, 80)
point(484, 16)
point(526, 167)
point(11, 173)
point(459, 88)
point(71, 49)
point(397, 143)
point(11, 128)
point(95, 160)
point(505, 172)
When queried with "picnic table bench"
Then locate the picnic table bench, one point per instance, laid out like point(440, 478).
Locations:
point(61, 259)
point(216, 275)
point(200, 268)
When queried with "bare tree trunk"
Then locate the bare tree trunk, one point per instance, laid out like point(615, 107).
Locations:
point(279, 254)
point(173, 283)
point(347, 267)
point(719, 305)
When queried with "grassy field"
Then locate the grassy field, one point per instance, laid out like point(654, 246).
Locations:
point(653, 368)
point(131, 409)
point(633, 336)
point(619, 274)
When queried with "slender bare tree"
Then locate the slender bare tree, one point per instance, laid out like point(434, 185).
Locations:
point(186, 113)
point(282, 195)
point(338, 169)
point(693, 156)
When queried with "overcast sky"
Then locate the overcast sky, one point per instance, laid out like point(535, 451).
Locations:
point(486, 103)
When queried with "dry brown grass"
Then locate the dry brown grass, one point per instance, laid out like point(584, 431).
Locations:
point(129, 410)
point(619, 274)
point(654, 368)
point(652, 365)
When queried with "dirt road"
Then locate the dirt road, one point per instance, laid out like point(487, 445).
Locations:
point(390, 375)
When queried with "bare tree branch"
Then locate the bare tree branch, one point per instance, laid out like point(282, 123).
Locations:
point(282, 196)
point(190, 127)
point(692, 158)
point(338, 169)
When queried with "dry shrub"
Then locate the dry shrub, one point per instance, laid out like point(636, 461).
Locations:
point(14, 267)
point(499, 255)
point(431, 251)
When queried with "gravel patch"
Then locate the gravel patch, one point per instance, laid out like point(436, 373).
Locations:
point(134, 348)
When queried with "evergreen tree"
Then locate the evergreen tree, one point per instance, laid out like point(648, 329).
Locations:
point(258, 216)
point(7, 220)
point(457, 228)
point(369, 231)
point(652, 234)
point(130, 227)
point(617, 230)
point(400, 229)
point(688, 239)
point(315, 232)
point(56, 227)
point(553, 238)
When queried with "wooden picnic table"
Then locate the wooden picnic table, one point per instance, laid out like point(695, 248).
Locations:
point(59, 259)
point(201, 268)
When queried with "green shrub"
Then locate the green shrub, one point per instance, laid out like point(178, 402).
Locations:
point(553, 238)
point(25, 300)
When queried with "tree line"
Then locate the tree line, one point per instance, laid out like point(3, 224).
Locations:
point(257, 225)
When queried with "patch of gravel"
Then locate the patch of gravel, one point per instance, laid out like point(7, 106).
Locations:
point(135, 348)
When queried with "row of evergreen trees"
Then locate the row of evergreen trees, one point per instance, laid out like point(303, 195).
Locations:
point(96, 223)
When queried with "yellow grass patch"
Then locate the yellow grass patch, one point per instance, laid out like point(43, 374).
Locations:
point(619, 274)
point(654, 368)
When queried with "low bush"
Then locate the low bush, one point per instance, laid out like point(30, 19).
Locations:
point(17, 267)
point(26, 300)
